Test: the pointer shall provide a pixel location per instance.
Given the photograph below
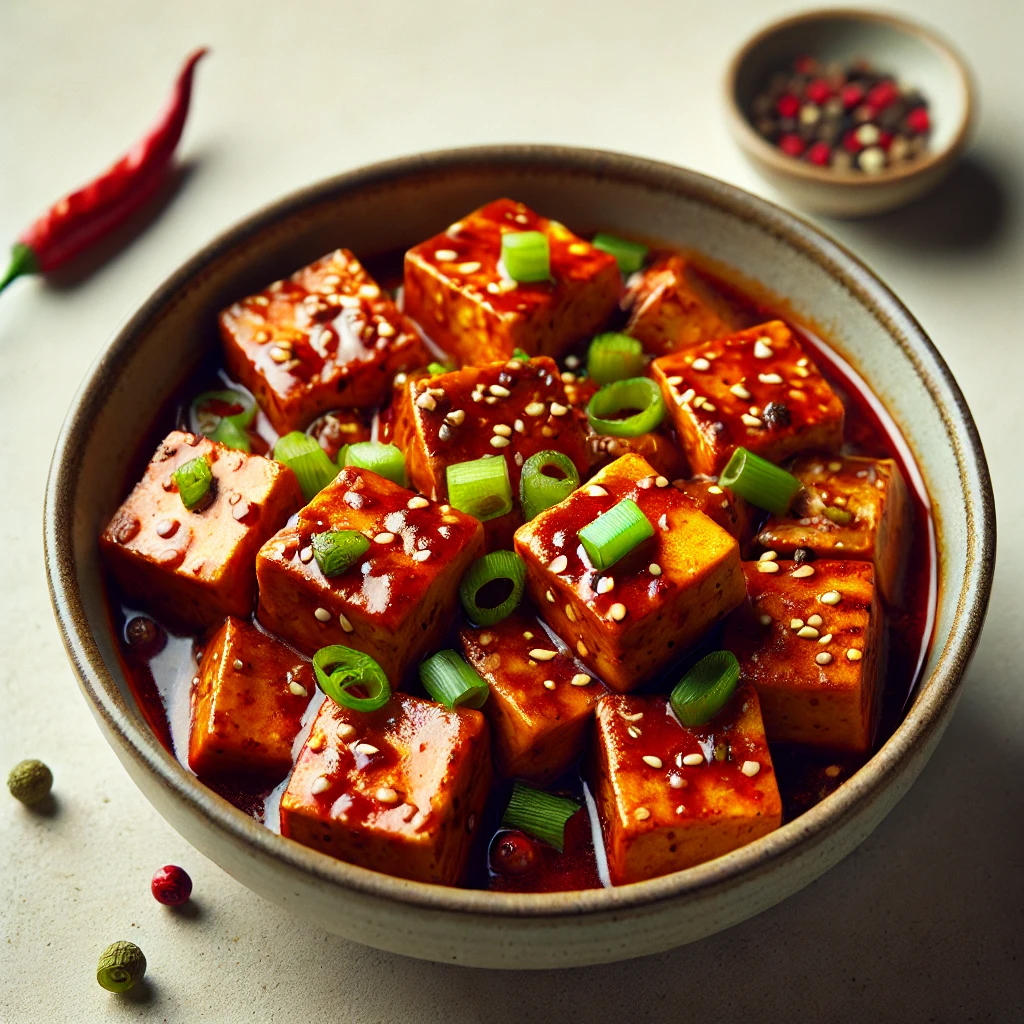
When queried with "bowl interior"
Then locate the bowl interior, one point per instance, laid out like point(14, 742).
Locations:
point(394, 205)
point(914, 56)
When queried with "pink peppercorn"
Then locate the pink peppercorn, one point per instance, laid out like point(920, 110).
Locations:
point(788, 105)
point(805, 65)
point(820, 153)
point(818, 91)
point(792, 145)
point(171, 885)
point(885, 140)
point(851, 143)
point(918, 121)
point(852, 96)
point(882, 95)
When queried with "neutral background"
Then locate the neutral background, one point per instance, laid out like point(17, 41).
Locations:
point(923, 923)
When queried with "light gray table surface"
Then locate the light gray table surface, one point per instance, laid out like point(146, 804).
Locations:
point(923, 923)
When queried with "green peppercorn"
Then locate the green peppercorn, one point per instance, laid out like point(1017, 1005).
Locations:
point(121, 965)
point(30, 782)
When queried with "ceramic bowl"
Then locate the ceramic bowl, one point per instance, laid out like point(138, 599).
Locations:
point(388, 207)
point(914, 54)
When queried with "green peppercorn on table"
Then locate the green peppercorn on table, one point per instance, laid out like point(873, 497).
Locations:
point(922, 922)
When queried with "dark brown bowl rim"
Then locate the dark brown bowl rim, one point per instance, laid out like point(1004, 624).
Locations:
point(751, 141)
point(930, 709)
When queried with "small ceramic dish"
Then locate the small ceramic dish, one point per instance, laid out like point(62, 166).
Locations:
point(914, 54)
point(385, 209)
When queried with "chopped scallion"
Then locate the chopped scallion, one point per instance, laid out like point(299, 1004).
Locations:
point(435, 368)
point(761, 482)
point(630, 256)
point(498, 565)
point(526, 256)
point(538, 489)
point(224, 416)
point(343, 673)
point(518, 353)
point(706, 688)
point(337, 550)
point(452, 682)
point(615, 533)
point(193, 479)
point(480, 487)
point(383, 459)
point(541, 814)
point(614, 357)
point(640, 393)
point(307, 460)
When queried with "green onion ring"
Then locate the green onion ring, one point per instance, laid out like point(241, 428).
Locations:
point(498, 565)
point(538, 490)
point(339, 668)
point(635, 393)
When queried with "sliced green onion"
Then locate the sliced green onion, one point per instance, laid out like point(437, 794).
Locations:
point(541, 814)
point(211, 415)
point(615, 357)
point(526, 255)
point(635, 393)
point(342, 455)
point(630, 256)
point(307, 460)
point(839, 516)
point(480, 487)
point(340, 670)
point(538, 490)
point(706, 688)
point(761, 482)
point(498, 565)
point(436, 368)
point(337, 550)
point(383, 459)
point(193, 479)
point(518, 353)
point(451, 682)
point(615, 533)
point(231, 435)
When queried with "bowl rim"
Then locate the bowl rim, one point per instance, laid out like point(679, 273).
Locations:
point(756, 146)
point(926, 716)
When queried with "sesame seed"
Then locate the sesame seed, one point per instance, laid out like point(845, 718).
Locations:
point(766, 620)
point(824, 658)
point(796, 623)
point(769, 378)
point(692, 760)
point(426, 401)
point(701, 364)
point(807, 633)
point(320, 785)
point(581, 647)
point(546, 431)
point(344, 623)
point(497, 441)
point(421, 556)
point(518, 458)
point(715, 489)
point(306, 555)
point(279, 354)
point(418, 502)
point(446, 255)
point(345, 731)
point(540, 654)
point(633, 731)
point(650, 759)
point(386, 795)
point(469, 267)
point(534, 409)
point(750, 768)
point(832, 597)
point(369, 291)
point(580, 679)
point(832, 771)
point(634, 716)
point(520, 427)
point(557, 409)
point(661, 481)
point(550, 597)
point(502, 430)
point(751, 421)
point(767, 566)
point(617, 612)
point(768, 556)
point(826, 639)
point(597, 491)
point(367, 749)
point(605, 584)
point(762, 350)
point(513, 364)
point(740, 392)
point(323, 615)
point(498, 391)
point(568, 378)
point(654, 569)
point(549, 684)
point(297, 689)
point(674, 381)
point(834, 467)
point(455, 417)
point(803, 572)
point(384, 538)
point(385, 330)
point(687, 396)
point(853, 654)
point(641, 814)
point(572, 362)
point(558, 564)
point(676, 781)
point(814, 620)
point(444, 432)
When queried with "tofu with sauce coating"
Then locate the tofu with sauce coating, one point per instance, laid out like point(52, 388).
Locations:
point(671, 307)
point(541, 702)
point(196, 567)
point(852, 507)
point(755, 389)
point(328, 336)
point(248, 705)
point(808, 639)
point(396, 602)
point(629, 621)
point(399, 790)
point(729, 510)
point(456, 291)
point(671, 797)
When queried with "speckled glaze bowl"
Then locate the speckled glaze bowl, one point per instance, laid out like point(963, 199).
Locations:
point(392, 205)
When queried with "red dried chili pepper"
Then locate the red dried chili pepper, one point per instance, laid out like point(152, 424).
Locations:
point(83, 217)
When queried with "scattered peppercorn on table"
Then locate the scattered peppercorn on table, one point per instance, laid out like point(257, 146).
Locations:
point(79, 875)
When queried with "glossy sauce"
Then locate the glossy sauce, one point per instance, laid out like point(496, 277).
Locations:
point(161, 672)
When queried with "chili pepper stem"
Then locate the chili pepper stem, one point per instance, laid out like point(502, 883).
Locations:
point(23, 261)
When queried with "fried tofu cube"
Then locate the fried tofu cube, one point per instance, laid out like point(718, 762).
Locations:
point(456, 291)
point(657, 448)
point(629, 621)
point(400, 790)
point(248, 705)
point(328, 336)
point(671, 797)
point(197, 567)
point(512, 409)
point(541, 701)
point(756, 389)
point(808, 639)
point(672, 307)
point(394, 603)
point(852, 507)
point(730, 511)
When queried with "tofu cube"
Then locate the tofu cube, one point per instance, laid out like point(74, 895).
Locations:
point(808, 639)
point(672, 307)
point(397, 601)
point(328, 336)
point(248, 705)
point(196, 567)
point(664, 810)
point(852, 507)
point(455, 290)
point(541, 702)
point(400, 790)
point(756, 389)
point(657, 448)
point(630, 621)
point(511, 409)
point(730, 511)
